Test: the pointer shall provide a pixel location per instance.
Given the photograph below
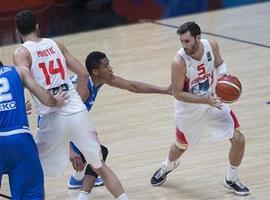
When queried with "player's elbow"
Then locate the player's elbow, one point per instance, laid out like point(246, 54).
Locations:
point(83, 75)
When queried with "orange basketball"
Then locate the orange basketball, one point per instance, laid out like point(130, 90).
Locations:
point(228, 88)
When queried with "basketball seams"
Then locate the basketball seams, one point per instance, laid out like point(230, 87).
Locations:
point(226, 93)
point(228, 88)
point(231, 84)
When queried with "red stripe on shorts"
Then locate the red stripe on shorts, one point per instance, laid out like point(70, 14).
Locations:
point(235, 120)
point(180, 137)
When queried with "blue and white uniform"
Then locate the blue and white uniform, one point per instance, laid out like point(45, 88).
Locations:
point(93, 90)
point(18, 152)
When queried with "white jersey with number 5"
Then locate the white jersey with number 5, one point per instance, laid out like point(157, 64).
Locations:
point(49, 69)
point(192, 119)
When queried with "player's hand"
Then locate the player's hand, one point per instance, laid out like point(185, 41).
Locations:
point(28, 107)
point(62, 98)
point(76, 160)
point(214, 100)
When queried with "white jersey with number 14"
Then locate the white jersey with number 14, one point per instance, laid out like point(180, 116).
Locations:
point(49, 69)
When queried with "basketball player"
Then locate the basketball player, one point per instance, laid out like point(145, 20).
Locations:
point(48, 61)
point(18, 153)
point(196, 107)
point(100, 73)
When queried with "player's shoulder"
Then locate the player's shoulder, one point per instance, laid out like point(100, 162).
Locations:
point(178, 61)
point(213, 44)
point(21, 51)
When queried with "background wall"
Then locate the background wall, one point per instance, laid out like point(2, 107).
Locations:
point(59, 17)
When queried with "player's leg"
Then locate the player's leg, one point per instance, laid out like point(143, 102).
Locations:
point(176, 151)
point(91, 177)
point(90, 148)
point(52, 140)
point(77, 177)
point(26, 176)
point(224, 125)
point(235, 157)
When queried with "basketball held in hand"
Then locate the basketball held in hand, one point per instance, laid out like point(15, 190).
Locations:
point(228, 88)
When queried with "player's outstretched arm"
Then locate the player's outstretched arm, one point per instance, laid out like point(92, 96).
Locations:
point(75, 66)
point(138, 87)
point(43, 95)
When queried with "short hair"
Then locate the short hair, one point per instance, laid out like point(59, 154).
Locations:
point(192, 27)
point(93, 60)
point(26, 22)
point(1, 64)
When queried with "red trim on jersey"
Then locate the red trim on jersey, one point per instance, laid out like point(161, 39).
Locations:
point(186, 84)
point(235, 120)
point(180, 137)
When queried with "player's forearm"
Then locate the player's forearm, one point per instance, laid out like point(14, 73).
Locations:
point(47, 99)
point(139, 87)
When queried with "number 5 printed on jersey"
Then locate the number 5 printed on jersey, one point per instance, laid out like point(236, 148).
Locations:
point(52, 69)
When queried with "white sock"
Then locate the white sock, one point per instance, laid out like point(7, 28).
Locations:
point(231, 173)
point(123, 196)
point(83, 195)
point(78, 175)
point(169, 165)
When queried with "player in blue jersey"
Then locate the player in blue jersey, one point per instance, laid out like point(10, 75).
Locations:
point(100, 73)
point(18, 152)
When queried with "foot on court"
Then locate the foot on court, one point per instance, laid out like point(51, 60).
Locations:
point(99, 182)
point(160, 175)
point(74, 183)
point(236, 186)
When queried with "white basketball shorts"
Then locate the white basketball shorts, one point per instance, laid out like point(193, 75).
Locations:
point(54, 134)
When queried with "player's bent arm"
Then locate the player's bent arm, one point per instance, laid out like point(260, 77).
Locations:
point(75, 66)
point(219, 64)
point(137, 86)
point(44, 96)
point(21, 57)
point(178, 71)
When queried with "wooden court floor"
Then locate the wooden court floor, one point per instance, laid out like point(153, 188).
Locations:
point(138, 129)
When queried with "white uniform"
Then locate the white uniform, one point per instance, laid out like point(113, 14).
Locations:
point(193, 119)
point(59, 126)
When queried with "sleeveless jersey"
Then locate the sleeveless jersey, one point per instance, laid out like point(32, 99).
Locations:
point(199, 75)
point(50, 71)
point(13, 117)
point(92, 89)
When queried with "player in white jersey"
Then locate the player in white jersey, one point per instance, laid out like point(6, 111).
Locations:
point(48, 62)
point(194, 70)
point(101, 73)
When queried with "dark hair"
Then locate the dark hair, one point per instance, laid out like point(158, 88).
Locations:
point(1, 64)
point(192, 27)
point(93, 60)
point(26, 22)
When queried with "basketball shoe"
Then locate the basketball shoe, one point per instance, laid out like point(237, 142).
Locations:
point(160, 175)
point(75, 184)
point(236, 186)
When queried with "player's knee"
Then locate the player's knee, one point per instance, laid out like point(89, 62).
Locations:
point(180, 146)
point(239, 138)
point(90, 171)
point(104, 151)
